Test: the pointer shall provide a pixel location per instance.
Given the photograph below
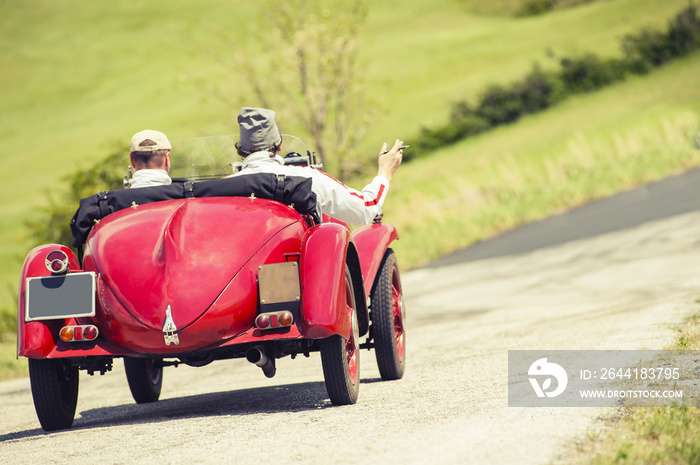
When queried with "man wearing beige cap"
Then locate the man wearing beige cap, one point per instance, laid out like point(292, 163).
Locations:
point(150, 157)
point(260, 142)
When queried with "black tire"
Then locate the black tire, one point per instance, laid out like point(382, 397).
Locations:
point(388, 315)
point(145, 377)
point(54, 385)
point(341, 358)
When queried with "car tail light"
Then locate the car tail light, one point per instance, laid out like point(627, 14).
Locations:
point(79, 333)
point(285, 318)
point(57, 262)
point(262, 321)
point(274, 320)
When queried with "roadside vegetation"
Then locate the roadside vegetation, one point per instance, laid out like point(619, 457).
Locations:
point(650, 435)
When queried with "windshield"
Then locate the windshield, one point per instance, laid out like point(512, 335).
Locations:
point(213, 157)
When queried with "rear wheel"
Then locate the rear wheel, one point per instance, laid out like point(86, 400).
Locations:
point(388, 315)
point(54, 385)
point(145, 377)
point(341, 358)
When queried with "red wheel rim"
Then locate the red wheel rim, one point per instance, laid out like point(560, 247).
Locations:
point(351, 346)
point(398, 311)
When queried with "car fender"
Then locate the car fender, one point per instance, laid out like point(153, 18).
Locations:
point(325, 250)
point(371, 242)
point(35, 339)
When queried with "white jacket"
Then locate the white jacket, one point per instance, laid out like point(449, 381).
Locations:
point(149, 178)
point(334, 198)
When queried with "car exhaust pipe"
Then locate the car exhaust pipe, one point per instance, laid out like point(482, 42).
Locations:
point(256, 357)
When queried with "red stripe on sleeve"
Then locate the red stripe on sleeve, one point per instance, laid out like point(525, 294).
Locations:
point(369, 203)
point(376, 200)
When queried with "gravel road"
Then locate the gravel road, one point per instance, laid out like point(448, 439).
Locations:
point(621, 289)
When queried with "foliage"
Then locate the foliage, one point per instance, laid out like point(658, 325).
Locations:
point(539, 90)
point(520, 7)
point(53, 225)
point(8, 323)
point(645, 50)
point(503, 104)
point(535, 7)
point(589, 72)
point(305, 66)
point(649, 49)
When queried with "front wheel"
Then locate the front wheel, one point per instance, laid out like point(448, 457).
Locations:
point(145, 377)
point(388, 319)
point(54, 385)
point(341, 358)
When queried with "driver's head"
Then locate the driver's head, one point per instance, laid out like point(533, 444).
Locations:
point(150, 150)
point(258, 131)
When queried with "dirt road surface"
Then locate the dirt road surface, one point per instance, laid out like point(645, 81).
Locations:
point(622, 289)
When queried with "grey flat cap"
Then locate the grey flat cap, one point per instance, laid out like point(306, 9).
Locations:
point(258, 129)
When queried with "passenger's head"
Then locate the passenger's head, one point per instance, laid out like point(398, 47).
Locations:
point(150, 150)
point(258, 131)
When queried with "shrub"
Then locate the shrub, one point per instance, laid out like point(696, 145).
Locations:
point(650, 49)
point(466, 121)
point(590, 72)
point(646, 50)
point(539, 90)
point(54, 224)
point(499, 105)
point(684, 32)
point(535, 7)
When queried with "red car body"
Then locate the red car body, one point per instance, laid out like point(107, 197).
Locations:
point(180, 280)
point(203, 256)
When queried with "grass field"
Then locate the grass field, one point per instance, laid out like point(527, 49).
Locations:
point(80, 78)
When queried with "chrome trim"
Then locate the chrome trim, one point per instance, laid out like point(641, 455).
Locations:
point(169, 329)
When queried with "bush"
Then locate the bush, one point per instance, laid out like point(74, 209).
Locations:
point(463, 123)
point(499, 105)
point(539, 90)
point(650, 49)
point(535, 7)
point(54, 224)
point(684, 32)
point(646, 50)
point(589, 72)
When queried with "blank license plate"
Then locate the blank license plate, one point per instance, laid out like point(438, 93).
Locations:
point(54, 297)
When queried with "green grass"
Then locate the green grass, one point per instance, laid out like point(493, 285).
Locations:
point(667, 435)
point(10, 366)
point(77, 78)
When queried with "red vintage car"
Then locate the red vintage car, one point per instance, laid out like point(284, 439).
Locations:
point(205, 270)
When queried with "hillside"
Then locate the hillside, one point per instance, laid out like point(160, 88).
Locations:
point(80, 79)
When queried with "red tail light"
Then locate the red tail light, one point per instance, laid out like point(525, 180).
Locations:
point(57, 262)
point(79, 333)
point(262, 321)
point(274, 320)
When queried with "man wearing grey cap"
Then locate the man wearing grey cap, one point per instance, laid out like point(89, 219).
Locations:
point(150, 157)
point(260, 142)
